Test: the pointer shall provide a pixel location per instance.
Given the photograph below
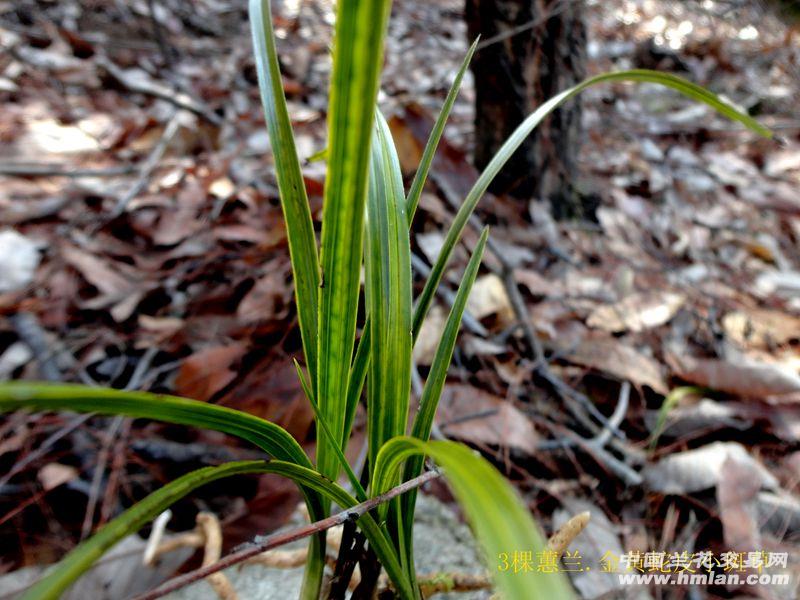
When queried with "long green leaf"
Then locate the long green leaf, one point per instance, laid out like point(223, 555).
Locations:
point(361, 495)
point(499, 519)
point(388, 303)
point(357, 60)
point(378, 539)
point(74, 564)
point(359, 368)
point(415, 191)
point(358, 374)
point(271, 438)
point(429, 402)
point(294, 201)
point(82, 557)
point(670, 401)
point(514, 141)
point(388, 295)
point(299, 225)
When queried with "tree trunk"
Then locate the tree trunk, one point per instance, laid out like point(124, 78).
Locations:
point(530, 51)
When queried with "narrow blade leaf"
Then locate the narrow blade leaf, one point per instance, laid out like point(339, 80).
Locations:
point(82, 557)
point(359, 367)
point(299, 224)
point(429, 402)
point(683, 86)
point(357, 59)
point(500, 521)
point(415, 191)
point(361, 495)
point(294, 201)
point(272, 439)
point(358, 374)
point(388, 295)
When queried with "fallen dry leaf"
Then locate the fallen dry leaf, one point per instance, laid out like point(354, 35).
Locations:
point(272, 391)
point(495, 421)
point(15, 356)
point(270, 297)
point(489, 297)
point(613, 357)
point(117, 290)
point(249, 234)
point(781, 283)
point(700, 469)
point(537, 284)
point(742, 377)
point(19, 212)
point(429, 335)
point(778, 512)
point(222, 188)
point(737, 494)
point(430, 244)
point(761, 328)
point(118, 575)
point(48, 139)
point(208, 371)
point(156, 330)
point(181, 221)
point(704, 414)
point(636, 312)
point(781, 163)
point(97, 271)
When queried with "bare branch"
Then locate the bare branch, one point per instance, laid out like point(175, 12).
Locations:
point(280, 539)
point(149, 165)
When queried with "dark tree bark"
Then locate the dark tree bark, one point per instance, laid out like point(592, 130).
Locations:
point(531, 50)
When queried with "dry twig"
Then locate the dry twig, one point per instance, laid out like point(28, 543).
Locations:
point(149, 164)
point(280, 539)
point(148, 87)
point(15, 169)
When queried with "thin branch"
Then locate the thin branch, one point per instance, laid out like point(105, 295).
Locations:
point(553, 11)
point(541, 366)
point(578, 404)
point(602, 438)
point(569, 438)
point(167, 51)
point(27, 327)
point(97, 476)
point(280, 539)
point(21, 169)
point(157, 89)
point(149, 165)
point(44, 447)
point(467, 319)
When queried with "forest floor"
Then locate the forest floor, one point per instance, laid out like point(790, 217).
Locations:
point(142, 246)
